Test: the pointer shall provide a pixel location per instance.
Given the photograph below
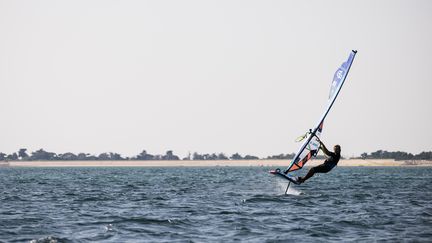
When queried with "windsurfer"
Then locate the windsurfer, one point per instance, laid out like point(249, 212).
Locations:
point(328, 164)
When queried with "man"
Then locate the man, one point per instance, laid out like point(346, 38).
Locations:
point(328, 165)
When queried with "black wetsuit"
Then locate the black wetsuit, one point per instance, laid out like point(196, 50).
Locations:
point(329, 163)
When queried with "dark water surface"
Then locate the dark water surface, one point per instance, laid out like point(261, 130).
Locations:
point(213, 204)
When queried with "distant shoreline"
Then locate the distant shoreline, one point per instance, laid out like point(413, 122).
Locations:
point(205, 163)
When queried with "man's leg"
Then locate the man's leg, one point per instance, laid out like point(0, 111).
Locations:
point(317, 169)
point(310, 173)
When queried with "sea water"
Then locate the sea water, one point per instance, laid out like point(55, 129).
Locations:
point(213, 204)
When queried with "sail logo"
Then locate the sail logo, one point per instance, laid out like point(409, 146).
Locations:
point(334, 83)
point(339, 74)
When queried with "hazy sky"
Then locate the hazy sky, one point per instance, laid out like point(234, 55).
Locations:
point(213, 76)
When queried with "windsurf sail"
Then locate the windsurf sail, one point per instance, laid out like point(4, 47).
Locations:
point(310, 146)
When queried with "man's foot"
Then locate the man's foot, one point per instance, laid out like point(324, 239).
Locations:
point(300, 180)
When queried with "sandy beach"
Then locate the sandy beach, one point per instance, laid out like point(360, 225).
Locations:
point(193, 163)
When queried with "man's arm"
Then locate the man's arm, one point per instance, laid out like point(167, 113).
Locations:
point(324, 149)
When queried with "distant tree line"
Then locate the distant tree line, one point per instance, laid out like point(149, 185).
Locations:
point(398, 155)
point(41, 154)
point(281, 156)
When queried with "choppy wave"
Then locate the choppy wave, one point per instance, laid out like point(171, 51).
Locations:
point(213, 204)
